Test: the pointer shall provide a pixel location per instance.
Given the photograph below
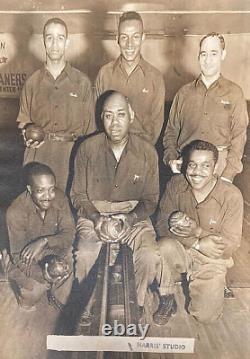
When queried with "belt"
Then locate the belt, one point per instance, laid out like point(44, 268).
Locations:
point(51, 136)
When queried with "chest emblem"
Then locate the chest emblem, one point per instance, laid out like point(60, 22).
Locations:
point(73, 94)
point(212, 221)
point(136, 178)
point(145, 90)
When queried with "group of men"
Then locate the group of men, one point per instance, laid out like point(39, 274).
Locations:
point(116, 178)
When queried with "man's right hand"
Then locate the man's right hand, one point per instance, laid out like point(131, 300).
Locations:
point(176, 165)
point(212, 246)
point(30, 143)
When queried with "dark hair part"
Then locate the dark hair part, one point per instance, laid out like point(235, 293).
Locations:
point(215, 34)
point(130, 15)
point(55, 20)
point(197, 145)
point(33, 169)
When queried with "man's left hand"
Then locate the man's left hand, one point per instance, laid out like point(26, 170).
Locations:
point(32, 251)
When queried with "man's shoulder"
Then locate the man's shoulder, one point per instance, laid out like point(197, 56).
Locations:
point(142, 146)
point(19, 205)
point(108, 67)
point(149, 68)
point(92, 142)
point(227, 191)
point(34, 77)
point(177, 182)
point(187, 88)
point(231, 86)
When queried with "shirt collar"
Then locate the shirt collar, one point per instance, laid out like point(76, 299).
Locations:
point(141, 65)
point(67, 71)
point(218, 82)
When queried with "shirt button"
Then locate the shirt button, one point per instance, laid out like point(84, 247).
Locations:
point(55, 123)
point(116, 185)
point(56, 88)
point(205, 113)
point(56, 106)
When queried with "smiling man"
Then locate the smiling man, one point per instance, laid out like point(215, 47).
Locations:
point(116, 185)
point(57, 98)
point(210, 108)
point(201, 245)
point(135, 78)
point(41, 230)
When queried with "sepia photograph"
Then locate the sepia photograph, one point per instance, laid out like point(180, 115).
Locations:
point(124, 179)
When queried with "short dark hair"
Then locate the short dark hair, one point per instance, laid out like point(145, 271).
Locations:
point(55, 20)
point(129, 15)
point(34, 169)
point(215, 34)
point(198, 145)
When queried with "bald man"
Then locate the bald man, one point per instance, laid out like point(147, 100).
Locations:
point(116, 179)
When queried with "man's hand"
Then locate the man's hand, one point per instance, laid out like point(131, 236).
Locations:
point(32, 251)
point(30, 143)
point(176, 165)
point(212, 246)
point(190, 230)
point(98, 228)
point(127, 222)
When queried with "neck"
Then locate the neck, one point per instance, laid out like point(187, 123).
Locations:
point(201, 194)
point(118, 148)
point(129, 66)
point(208, 81)
point(55, 67)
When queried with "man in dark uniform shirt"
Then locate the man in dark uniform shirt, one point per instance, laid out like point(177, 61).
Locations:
point(200, 238)
point(116, 178)
point(135, 78)
point(41, 232)
point(59, 99)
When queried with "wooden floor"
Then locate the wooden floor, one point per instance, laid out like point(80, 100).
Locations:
point(23, 334)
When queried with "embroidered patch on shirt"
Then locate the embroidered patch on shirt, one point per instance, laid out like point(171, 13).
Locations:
point(212, 221)
point(227, 104)
point(145, 90)
point(136, 178)
point(73, 94)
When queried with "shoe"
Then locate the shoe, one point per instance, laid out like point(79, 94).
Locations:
point(85, 319)
point(166, 308)
point(228, 293)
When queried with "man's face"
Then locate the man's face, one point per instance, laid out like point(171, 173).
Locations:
point(42, 191)
point(200, 169)
point(210, 57)
point(55, 41)
point(117, 116)
point(130, 39)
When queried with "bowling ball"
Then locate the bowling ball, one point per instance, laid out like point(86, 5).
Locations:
point(180, 218)
point(35, 133)
point(54, 268)
point(112, 227)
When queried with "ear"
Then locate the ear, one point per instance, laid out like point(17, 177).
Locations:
point(29, 189)
point(143, 37)
point(131, 113)
point(224, 53)
point(215, 168)
point(117, 38)
point(67, 43)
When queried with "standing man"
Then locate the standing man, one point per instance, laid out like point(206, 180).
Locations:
point(58, 98)
point(41, 232)
point(200, 226)
point(210, 108)
point(116, 182)
point(135, 78)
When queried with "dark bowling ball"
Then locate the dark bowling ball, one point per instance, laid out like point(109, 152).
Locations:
point(35, 133)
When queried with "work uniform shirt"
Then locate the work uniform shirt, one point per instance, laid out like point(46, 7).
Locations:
point(25, 223)
point(144, 88)
point(221, 213)
point(98, 176)
point(63, 106)
point(217, 115)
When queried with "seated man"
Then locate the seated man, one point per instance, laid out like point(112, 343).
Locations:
point(41, 231)
point(200, 225)
point(116, 177)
